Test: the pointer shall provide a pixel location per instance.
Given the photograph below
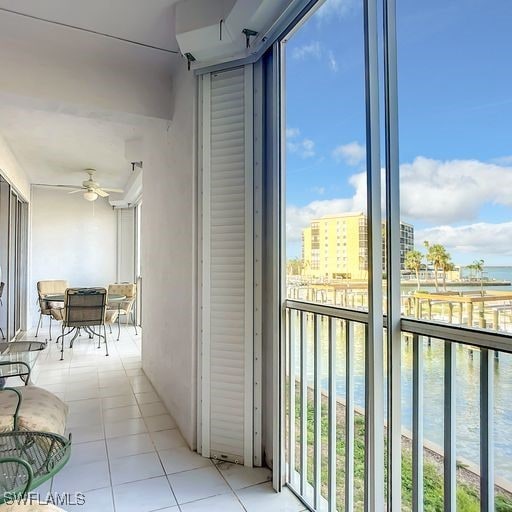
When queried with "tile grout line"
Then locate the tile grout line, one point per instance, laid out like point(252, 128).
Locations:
point(165, 473)
point(229, 485)
point(114, 507)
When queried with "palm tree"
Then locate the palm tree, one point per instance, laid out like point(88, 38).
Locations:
point(478, 267)
point(437, 256)
point(413, 261)
point(295, 266)
point(446, 266)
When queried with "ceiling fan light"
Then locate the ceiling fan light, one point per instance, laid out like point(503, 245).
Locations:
point(90, 195)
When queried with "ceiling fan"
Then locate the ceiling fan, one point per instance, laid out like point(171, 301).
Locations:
point(90, 188)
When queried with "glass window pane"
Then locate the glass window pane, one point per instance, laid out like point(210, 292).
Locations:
point(326, 228)
point(455, 110)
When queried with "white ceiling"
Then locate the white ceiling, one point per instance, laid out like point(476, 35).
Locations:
point(71, 71)
point(149, 22)
point(74, 76)
point(55, 148)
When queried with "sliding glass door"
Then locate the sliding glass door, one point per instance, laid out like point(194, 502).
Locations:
point(4, 255)
point(13, 261)
point(397, 334)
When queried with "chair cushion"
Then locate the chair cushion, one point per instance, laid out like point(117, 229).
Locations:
point(52, 286)
point(15, 507)
point(58, 314)
point(40, 410)
point(111, 316)
point(129, 290)
point(50, 306)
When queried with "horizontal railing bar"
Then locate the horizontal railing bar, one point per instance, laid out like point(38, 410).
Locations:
point(476, 337)
point(330, 311)
point(459, 334)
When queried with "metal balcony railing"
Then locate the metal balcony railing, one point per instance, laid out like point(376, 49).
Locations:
point(325, 400)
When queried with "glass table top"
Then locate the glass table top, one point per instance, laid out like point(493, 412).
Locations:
point(18, 357)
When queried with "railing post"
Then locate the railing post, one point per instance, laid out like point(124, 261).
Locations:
point(332, 416)
point(349, 416)
point(303, 404)
point(450, 411)
point(292, 415)
point(374, 467)
point(393, 270)
point(318, 412)
point(486, 430)
point(417, 424)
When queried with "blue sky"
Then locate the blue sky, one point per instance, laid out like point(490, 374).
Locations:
point(455, 97)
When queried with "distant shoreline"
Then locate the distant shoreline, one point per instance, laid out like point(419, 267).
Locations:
point(493, 282)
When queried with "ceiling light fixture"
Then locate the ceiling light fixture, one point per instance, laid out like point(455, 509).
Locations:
point(90, 195)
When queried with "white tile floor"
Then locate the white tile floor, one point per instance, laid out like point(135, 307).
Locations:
point(127, 454)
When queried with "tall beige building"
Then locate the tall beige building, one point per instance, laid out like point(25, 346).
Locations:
point(336, 246)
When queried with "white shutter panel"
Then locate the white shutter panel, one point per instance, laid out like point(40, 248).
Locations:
point(227, 340)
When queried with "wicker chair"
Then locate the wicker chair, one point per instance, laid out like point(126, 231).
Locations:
point(28, 459)
point(84, 308)
point(125, 307)
point(45, 288)
point(29, 507)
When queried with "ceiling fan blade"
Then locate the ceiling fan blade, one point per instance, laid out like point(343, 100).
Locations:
point(116, 190)
point(56, 186)
point(100, 192)
point(76, 191)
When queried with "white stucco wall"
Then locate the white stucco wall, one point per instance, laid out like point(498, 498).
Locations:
point(72, 239)
point(11, 170)
point(169, 260)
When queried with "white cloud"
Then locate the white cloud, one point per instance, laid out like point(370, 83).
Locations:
point(480, 238)
point(503, 160)
point(297, 218)
point(442, 193)
point(352, 153)
point(292, 133)
point(446, 192)
point(305, 148)
point(335, 8)
point(333, 63)
point(318, 190)
point(312, 49)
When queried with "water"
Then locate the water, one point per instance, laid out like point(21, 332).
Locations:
point(498, 273)
point(467, 392)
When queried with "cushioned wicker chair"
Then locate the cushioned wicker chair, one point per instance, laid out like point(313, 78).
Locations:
point(31, 408)
point(84, 308)
point(45, 288)
point(125, 307)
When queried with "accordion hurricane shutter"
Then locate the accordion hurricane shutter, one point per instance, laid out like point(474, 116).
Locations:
point(227, 268)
